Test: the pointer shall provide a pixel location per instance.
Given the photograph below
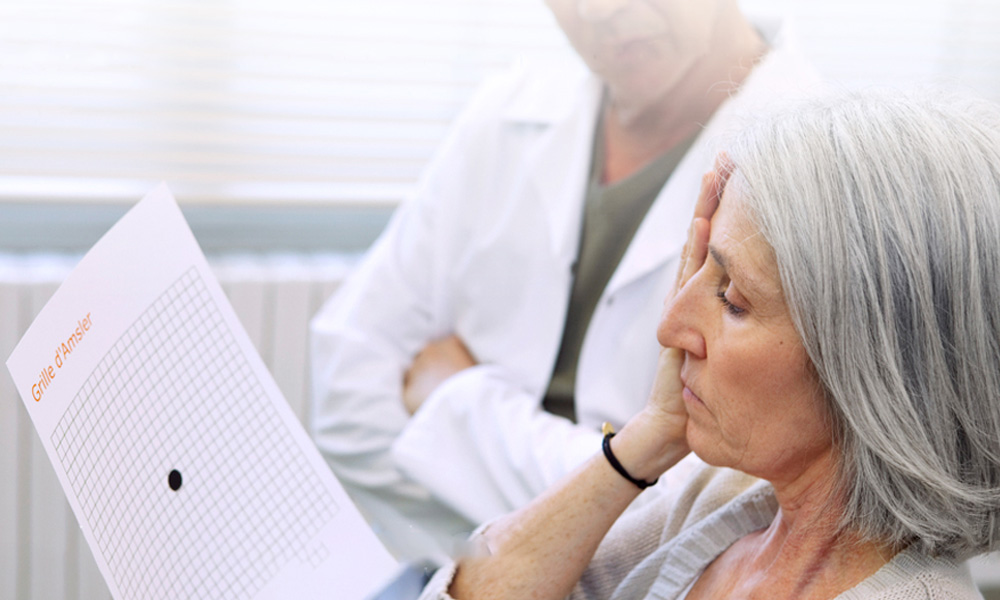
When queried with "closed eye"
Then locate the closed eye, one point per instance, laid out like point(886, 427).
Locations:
point(731, 308)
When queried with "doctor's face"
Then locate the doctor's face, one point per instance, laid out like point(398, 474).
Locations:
point(753, 399)
point(641, 48)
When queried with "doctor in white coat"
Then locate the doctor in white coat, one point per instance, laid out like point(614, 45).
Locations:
point(465, 295)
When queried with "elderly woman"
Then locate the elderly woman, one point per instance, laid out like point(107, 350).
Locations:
point(833, 353)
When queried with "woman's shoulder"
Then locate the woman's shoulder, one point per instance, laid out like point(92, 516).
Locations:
point(911, 575)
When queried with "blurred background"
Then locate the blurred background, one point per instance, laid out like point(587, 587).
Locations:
point(289, 131)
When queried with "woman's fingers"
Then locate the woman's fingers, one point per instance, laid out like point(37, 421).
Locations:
point(683, 268)
point(667, 387)
point(712, 185)
point(696, 249)
point(655, 439)
point(708, 196)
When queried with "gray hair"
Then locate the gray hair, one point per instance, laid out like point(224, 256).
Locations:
point(883, 211)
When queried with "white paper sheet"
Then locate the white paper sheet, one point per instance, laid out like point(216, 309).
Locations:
point(139, 380)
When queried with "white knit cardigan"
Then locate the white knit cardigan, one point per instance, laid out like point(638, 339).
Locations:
point(657, 550)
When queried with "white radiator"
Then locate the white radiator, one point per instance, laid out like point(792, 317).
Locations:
point(42, 552)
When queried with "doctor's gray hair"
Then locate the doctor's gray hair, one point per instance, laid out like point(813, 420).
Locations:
point(883, 211)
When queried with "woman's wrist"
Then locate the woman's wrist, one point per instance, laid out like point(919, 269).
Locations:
point(644, 452)
point(613, 460)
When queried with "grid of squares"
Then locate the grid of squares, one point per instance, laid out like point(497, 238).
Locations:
point(175, 392)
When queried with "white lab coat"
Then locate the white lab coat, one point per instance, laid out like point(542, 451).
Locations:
point(485, 250)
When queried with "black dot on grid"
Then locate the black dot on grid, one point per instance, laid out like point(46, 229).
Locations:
point(174, 480)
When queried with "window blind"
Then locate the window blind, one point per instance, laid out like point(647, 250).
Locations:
point(246, 101)
point(309, 102)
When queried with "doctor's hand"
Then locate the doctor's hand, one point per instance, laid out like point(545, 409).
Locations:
point(438, 361)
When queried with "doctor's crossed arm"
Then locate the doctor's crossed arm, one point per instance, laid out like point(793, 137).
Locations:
point(438, 361)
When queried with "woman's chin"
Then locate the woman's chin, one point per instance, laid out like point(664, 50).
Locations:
point(708, 450)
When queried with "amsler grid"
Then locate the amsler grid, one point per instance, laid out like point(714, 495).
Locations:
point(182, 466)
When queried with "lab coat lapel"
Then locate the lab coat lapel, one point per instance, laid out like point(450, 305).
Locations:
point(557, 167)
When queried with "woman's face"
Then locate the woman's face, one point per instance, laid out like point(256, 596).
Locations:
point(640, 48)
point(754, 402)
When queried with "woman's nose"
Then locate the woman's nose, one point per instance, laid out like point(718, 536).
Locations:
point(599, 10)
point(680, 324)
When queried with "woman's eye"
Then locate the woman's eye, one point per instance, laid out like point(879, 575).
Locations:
point(729, 306)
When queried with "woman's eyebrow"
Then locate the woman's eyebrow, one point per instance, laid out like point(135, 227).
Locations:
point(746, 282)
point(719, 258)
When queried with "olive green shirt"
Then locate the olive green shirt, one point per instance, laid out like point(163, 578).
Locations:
point(612, 214)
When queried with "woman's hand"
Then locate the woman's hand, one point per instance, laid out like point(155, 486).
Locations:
point(696, 248)
point(656, 438)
